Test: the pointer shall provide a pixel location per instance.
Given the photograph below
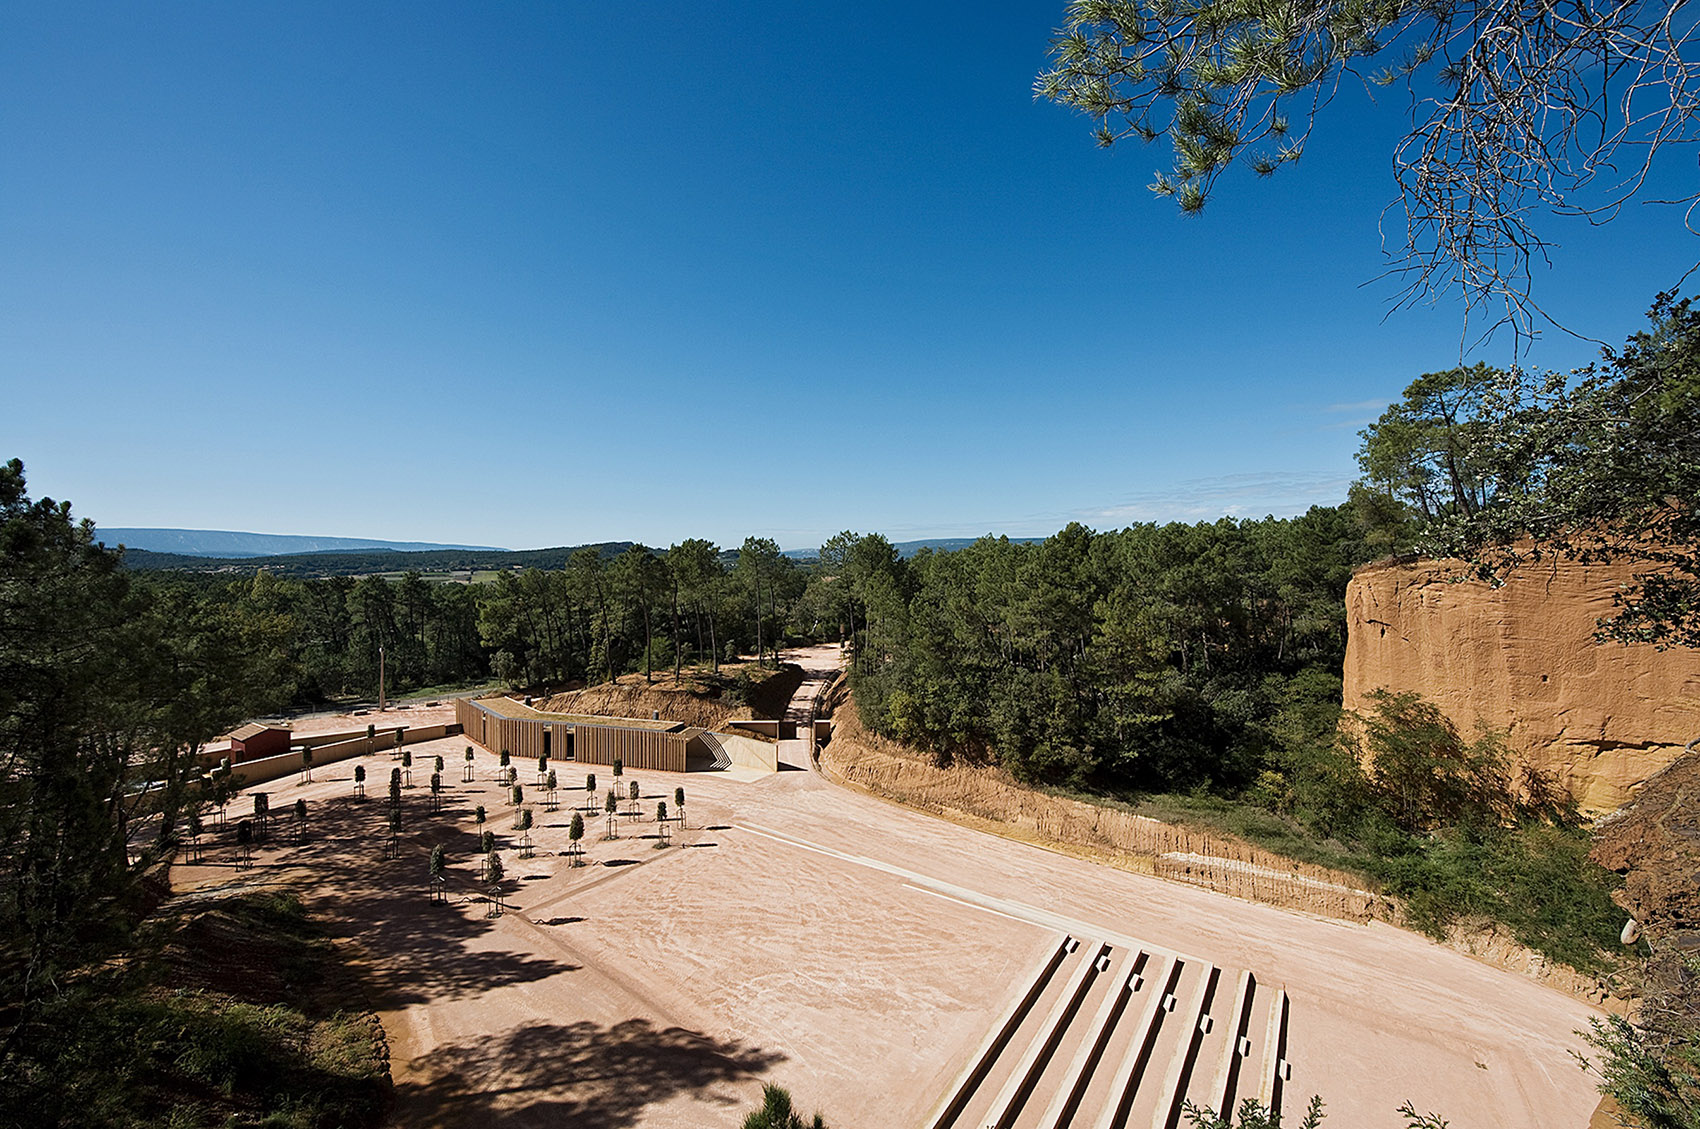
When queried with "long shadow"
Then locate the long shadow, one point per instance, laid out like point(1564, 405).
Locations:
point(417, 949)
point(579, 1074)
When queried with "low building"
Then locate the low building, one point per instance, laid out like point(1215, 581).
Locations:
point(254, 740)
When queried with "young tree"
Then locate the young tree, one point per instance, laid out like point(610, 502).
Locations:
point(661, 822)
point(192, 827)
point(300, 821)
point(493, 875)
point(437, 763)
point(360, 782)
point(505, 760)
point(262, 814)
point(439, 874)
point(395, 832)
point(307, 765)
point(635, 794)
point(436, 791)
point(590, 792)
point(478, 817)
point(516, 795)
point(612, 807)
point(244, 844)
point(487, 842)
point(542, 770)
point(522, 824)
point(466, 772)
point(550, 785)
point(407, 768)
point(574, 834)
point(679, 802)
point(223, 787)
point(395, 788)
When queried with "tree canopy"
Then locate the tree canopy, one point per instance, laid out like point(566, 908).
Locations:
point(109, 687)
point(1514, 108)
point(1504, 466)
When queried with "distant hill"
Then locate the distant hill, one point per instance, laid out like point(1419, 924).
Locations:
point(347, 562)
point(229, 544)
point(908, 549)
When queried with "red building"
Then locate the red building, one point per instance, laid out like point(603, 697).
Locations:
point(254, 741)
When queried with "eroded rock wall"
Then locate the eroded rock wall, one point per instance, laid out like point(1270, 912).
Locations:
point(1601, 717)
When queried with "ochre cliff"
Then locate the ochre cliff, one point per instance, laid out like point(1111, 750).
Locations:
point(1601, 717)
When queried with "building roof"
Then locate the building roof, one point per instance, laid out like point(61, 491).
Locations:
point(508, 707)
point(254, 729)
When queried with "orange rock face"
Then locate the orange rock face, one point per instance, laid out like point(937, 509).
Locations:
point(1601, 717)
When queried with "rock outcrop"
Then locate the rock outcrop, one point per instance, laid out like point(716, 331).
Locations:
point(1654, 842)
point(1601, 717)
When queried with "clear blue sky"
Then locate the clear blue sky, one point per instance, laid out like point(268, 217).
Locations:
point(536, 274)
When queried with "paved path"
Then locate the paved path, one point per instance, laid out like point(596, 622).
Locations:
point(820, 666)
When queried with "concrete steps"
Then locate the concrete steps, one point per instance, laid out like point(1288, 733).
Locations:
point(1113, 1037)
point(966, 1083)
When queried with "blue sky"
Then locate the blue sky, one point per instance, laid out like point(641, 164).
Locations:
point(537, 274)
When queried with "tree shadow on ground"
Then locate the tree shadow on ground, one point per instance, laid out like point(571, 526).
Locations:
point(578, 1074)
point(416, 949)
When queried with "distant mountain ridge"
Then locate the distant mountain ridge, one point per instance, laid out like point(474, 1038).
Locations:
point(232, 544)
point(361, 562)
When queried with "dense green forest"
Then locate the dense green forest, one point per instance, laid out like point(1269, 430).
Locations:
point(599, 615)
point(1153, 657)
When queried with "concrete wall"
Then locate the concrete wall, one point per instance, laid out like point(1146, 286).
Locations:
point(266, 769)
point(749, 752)
point(762, 727)
point(314, 740)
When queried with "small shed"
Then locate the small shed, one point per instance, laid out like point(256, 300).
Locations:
point(254, 740)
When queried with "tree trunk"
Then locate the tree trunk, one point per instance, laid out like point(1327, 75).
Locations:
point(648, 637)
point(676, 647)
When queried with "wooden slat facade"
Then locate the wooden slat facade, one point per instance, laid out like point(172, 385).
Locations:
point(636, 748)
point(651, 749)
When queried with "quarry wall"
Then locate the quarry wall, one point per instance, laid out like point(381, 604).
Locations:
point(1601, 717)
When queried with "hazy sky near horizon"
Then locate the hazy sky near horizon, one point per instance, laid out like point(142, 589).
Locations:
point(542, 274)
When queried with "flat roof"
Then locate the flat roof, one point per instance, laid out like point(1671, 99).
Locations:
point(507, 707)
point(254, 729)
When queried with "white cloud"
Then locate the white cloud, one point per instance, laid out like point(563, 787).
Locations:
point(1282, 493)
